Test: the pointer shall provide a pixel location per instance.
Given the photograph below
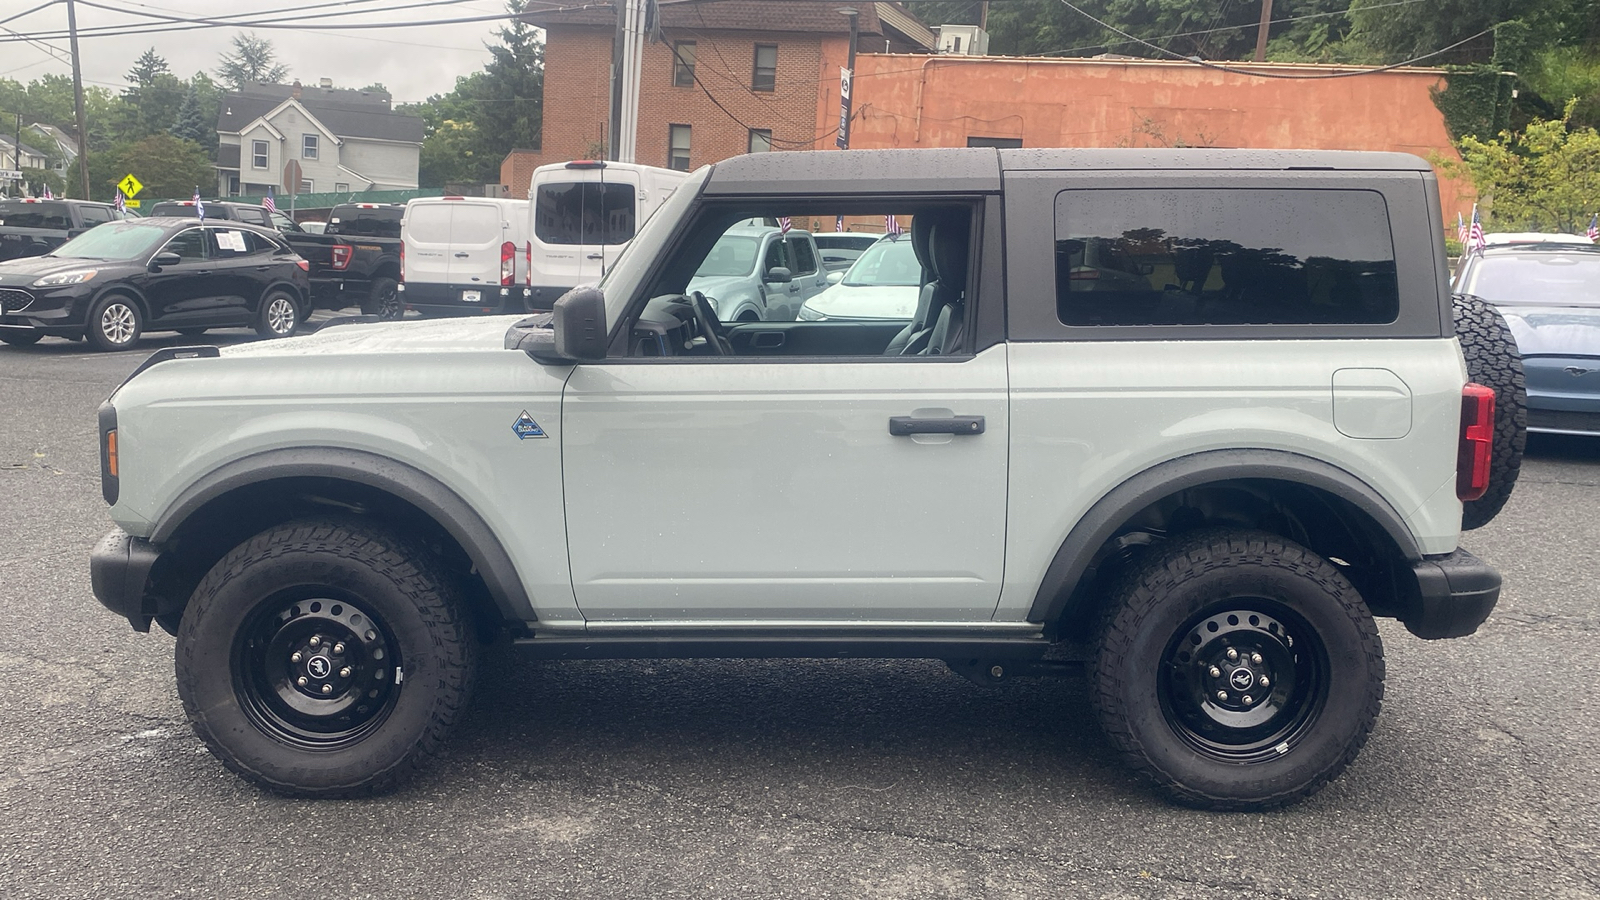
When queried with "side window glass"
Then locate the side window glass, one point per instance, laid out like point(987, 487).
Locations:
point(229, 243)
point(805, 262)
point(777, 255)
point(260, 243)
point(1224, 257)
point(712, 296)
point(94, 215)
point(191, 245)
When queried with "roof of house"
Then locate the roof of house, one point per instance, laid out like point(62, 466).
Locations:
point(9, 143)
point(346, 113)
point(816, 16)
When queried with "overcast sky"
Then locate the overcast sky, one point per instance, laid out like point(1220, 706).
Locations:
point(412, 62)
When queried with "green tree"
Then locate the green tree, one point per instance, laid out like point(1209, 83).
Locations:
point(253, 60)
point(1543, 178)
point(376, 88)
point(190, 124)
point(511, 104)
point(169, 166)
point(452, 153)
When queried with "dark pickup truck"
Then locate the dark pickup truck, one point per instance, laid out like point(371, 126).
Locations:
point(355, 262)
point(30, 227)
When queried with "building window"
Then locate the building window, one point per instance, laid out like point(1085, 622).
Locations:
point(678, 147)
point(341, 187)
point(307, 186)
point(766, 68)
point(233, 185)
point(308, 146)
point(1004, 143)
point(258, 154)
point(760, 140)
point(683, 63)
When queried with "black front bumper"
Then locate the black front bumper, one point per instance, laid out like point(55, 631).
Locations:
point(119, 571)
point(1453, 595)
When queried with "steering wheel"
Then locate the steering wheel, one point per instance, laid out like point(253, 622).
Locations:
point(708, 324)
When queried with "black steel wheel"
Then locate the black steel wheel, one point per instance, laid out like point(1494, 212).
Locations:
point(1237, 685)
point(1238, 669)
point(316, 672)
point(383, 300)
point(325, 658)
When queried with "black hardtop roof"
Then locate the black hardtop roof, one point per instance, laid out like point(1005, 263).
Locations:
point(978, 169)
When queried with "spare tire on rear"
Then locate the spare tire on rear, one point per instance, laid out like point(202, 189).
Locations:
point(1493, 361)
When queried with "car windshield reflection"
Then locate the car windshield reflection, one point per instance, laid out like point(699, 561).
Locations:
point(114, 240)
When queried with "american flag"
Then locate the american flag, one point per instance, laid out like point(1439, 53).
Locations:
point(199, 206)
point(267, 201)
point(1461, 229)
point(1594, 228)
point(49, 194)
point(1475, 239)
point(891, 225)
point(119, 202)
point(784, 225)
point(838, 223)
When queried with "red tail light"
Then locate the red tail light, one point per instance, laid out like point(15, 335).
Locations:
point(527, 268)
point(508, 262)
point(402, 262)
point(304, 266)
point(341, 255)
point(1477, 441)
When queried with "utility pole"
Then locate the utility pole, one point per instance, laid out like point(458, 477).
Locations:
point(847, 79)
point(1261, 33)
point(77, 102)
point(627, 58)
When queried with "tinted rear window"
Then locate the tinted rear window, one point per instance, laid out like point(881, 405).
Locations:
point(35, 215)
point(584, 213)
point(1224, 257)
point(366, 222)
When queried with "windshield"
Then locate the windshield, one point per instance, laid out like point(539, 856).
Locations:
point(18, 214)
point(583, 212)
point(891, 262)
point(732, 255)
point(1541, 278)
point(633, 265)
point(114, 240)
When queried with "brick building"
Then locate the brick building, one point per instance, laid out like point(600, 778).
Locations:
point(728, 77)
point(906, 95)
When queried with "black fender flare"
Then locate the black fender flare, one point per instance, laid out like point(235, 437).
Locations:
point(403, 481)
point(1108, 514)
point(304, 296)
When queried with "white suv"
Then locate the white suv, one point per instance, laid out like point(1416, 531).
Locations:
point(1198, 487)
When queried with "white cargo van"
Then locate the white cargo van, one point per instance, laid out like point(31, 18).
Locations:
point(582, 214)
point(464, 256)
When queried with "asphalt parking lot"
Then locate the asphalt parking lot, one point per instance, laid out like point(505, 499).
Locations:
point(776, 778)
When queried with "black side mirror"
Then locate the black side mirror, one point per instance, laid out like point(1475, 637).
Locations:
point(575, 330)
point(779, 275)
point(164, 259)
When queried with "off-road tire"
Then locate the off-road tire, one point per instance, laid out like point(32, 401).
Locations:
point(311, 573)
point(115, 322)
point(383, 300)
point(1493, 361)
point(1151, 647)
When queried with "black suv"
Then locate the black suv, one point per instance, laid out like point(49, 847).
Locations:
point(230, 211)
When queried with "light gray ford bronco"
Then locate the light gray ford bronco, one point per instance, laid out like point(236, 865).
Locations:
point(1185, 421)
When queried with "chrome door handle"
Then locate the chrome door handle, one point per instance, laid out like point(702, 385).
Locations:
point(901, 426)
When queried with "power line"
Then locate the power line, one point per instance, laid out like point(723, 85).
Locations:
point(1168, 37)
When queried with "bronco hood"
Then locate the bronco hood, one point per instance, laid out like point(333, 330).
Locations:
point(485, 333)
